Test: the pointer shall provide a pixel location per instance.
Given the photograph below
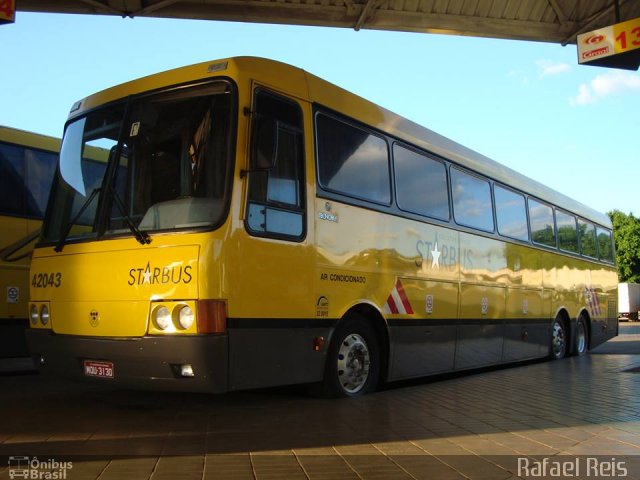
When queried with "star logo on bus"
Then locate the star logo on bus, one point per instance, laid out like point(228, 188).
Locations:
point(435, 256)
point(146, 276)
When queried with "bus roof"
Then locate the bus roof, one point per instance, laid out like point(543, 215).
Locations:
point(305, 85)
point(29, 139)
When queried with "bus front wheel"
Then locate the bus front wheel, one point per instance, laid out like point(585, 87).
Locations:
point(353, 360)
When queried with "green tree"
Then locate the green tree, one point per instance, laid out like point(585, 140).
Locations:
point(626, 233)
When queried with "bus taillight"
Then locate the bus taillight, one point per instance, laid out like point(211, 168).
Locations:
point(212, 316)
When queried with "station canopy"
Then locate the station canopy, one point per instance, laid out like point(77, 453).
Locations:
point(557, 21)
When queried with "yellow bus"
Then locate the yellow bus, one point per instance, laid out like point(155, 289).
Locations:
point(27, 164)
point(259, 226)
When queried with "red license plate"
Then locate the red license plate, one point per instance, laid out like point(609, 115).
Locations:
point(98, 369)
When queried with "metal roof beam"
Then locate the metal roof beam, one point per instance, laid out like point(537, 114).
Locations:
point(590, 22)
point(366, 12)
point(558, 11)
point(557, 21)
point(471, 26)
point(153, 7)
point(105, 7)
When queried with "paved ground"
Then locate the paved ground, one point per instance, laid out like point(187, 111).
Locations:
point(576, 418)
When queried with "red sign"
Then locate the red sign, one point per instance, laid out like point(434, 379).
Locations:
point(98, 369)
point(7, 11)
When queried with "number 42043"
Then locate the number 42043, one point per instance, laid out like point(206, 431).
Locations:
point(44, 280)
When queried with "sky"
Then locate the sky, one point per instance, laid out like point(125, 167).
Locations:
point(527, 105)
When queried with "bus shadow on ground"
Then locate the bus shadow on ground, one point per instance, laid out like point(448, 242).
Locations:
point(43, 416)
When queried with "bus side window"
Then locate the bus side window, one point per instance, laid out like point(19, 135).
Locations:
point(276, 194)
point(605, 245)
point(12, 181)
point(588, 242)
point(567, 232)
point(511, 213)
point(543, 230)
point(472, 203)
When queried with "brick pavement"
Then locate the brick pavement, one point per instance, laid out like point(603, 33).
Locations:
point(579, 411)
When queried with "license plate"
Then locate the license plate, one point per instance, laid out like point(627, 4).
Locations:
point(98, 369)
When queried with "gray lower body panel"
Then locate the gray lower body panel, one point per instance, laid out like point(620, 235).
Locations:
point(278, 355)
point(526, 340)
point(423, 348)
point(147, 362)
point(603, 330)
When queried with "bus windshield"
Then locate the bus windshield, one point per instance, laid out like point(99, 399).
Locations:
point(155, 163)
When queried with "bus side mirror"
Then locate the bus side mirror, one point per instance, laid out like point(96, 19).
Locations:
point(264, 144)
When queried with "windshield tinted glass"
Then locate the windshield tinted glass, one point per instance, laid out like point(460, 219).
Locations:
point(166, 166)
point(84, 155)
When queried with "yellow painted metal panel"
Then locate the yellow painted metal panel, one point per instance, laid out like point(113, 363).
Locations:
point(14, 276)
point(116, 285)
point(482, 302)
point(141, 273)
point(431, 299)
point(29, 139)
point(100, 318)
point(524, 304)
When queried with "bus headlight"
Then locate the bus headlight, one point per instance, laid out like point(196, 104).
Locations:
point(185, 317)
point(34, 315)
point(44, 315)
point(162, 318)
point(173, 317)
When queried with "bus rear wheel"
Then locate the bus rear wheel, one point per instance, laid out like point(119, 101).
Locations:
point(581, 337)
point(558, 347)
point(353, 360)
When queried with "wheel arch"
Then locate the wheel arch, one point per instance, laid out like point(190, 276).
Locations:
point(374, 317)
point(562, 314)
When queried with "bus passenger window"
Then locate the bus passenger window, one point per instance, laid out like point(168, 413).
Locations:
point(421, 183)
point(588, 246)
point(605, 246)
point(472, 206)
point(543, 231)
point(12, 182)
point(511, 213)
point(567, 232)
point(352, 161)
point(276, 195)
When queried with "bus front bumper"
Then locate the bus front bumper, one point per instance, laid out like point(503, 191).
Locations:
point(175, 363)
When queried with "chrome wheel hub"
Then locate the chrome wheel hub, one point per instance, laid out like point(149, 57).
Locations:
point(581, 338)
point(353, 363)
point(558, 341)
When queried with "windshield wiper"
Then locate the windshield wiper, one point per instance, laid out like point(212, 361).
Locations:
point(142, 237)
point(60, 245)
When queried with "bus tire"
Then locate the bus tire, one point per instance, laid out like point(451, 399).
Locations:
point(558, 347)
point(581, 337)
point(353, 360)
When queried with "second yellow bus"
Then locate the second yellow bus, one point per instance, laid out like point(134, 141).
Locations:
point(27, 164)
